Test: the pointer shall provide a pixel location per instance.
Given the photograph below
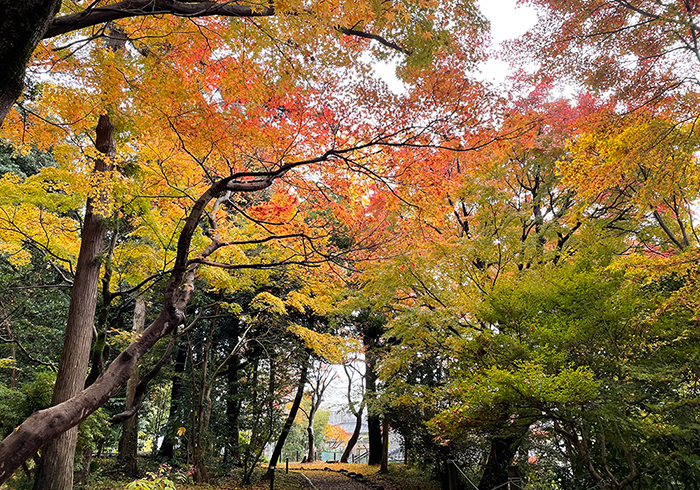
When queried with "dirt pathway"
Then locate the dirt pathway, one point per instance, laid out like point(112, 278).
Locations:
point(329, 480)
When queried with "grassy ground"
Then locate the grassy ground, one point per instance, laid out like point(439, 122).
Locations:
point(399, 477)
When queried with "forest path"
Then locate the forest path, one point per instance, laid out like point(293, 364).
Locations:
point(329, 480)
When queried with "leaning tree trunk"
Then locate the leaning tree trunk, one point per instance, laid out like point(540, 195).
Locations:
point(355, 435)
point(129, 442)
point(22, 25)
point(277, 452)
point(56, 466)
point(47, 425)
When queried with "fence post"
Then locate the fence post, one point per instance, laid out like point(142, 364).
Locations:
point(287, 462)
point(297, 455)
point(272, 478)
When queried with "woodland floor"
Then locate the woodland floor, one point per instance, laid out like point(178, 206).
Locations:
point(399, 477)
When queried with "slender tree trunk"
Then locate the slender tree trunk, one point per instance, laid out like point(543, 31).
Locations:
point(277, 452)
point(56, 467)
point(233, 410)
point(167, 448)
point(23, 25)
point(129, 442)
point(355, 435)
point(203, 410)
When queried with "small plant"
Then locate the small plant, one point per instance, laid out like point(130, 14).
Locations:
point(154, 484)
point(154, 481)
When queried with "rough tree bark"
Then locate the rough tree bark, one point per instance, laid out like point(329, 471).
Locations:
point(56, 466)
point(385, 445)
point(23, 25)
point(128, 444)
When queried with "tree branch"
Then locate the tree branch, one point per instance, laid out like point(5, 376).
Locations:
point(139, 8)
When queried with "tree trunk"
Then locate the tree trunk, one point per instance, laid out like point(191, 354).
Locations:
point(385, 446)
point(46, 425)
point(355, 435)
point(277, 452)
point(23, 25)
point(311, 456)
point(503, 450)
point(81, 476)
point(374, 426)
point(56, 466)
point(167, 448)
point(129, 442)
point(233, 411)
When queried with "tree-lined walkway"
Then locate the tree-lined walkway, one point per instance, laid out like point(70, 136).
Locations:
point(330, 480)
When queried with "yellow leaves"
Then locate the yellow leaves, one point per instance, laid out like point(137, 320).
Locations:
point(650, 157)
point(8, 363)
point(268, 302)
point(181, 431)
point(100, 192)
point(319, 305)
point(330, 347)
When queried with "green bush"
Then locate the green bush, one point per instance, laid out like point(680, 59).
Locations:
point(155, 484)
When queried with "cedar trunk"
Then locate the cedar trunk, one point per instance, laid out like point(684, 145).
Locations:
point(385, 445)
point(56, 466)
point(374, 425)
point(503, 450)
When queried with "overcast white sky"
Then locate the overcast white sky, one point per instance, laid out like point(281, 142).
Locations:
point(508, 21)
